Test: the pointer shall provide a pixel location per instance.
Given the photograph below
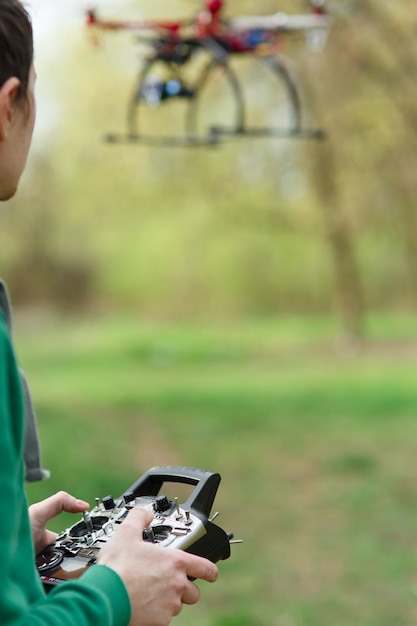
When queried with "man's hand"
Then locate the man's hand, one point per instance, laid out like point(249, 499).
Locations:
point(157, 579)
point(42, 512)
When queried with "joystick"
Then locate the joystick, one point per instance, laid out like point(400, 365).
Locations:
point(186, 526)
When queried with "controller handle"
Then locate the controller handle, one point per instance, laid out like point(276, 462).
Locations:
point(202, 497)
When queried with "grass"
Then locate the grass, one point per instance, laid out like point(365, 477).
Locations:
point(316, 443)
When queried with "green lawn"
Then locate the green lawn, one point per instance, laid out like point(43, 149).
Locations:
point(316, 443)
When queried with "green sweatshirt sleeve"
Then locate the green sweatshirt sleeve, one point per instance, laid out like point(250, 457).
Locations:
point(99, 596)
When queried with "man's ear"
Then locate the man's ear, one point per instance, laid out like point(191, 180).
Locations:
point(8, 93)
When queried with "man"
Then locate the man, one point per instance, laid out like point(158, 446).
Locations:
point(134, 582)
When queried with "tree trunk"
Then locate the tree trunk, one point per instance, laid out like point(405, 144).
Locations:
point(347, 277)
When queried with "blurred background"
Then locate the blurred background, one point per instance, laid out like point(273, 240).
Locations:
point(247, 308)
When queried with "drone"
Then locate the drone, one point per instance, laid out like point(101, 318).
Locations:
point(193, 66)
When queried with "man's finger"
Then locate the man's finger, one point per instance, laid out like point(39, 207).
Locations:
point(56, 504)
point(198, 567)
point(191, 594)
point(136, 521)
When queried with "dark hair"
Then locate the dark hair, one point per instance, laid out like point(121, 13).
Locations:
point(16, 44)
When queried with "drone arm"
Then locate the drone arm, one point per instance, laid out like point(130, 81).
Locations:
point(280, 22)
point(141, 25)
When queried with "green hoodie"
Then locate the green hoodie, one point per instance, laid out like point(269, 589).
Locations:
point(99, 596)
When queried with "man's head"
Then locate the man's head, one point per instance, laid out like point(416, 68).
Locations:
point(16, 44)
point(17, 102)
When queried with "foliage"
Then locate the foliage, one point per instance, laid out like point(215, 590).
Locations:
point(255, 227)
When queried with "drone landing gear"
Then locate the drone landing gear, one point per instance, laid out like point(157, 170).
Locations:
point(278, 133)
point(243, 98)
point(187, 141)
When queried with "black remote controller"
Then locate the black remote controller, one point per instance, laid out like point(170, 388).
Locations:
point(186, 526)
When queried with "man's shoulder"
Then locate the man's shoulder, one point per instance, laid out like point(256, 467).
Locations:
point(5, 313)
point(5, 340)
point(4, 331)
